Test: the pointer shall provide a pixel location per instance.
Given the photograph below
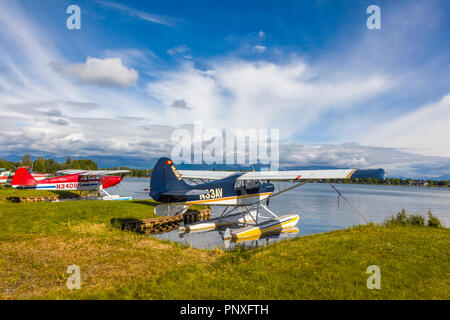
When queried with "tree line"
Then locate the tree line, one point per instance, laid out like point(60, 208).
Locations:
point(136, 173)
point(392, 181)
point(51, 166)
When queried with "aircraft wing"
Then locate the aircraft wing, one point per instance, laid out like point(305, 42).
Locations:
point(103, 172)
point(71, 171)
point(205, 174)
point(314, 174)
point(91, 173)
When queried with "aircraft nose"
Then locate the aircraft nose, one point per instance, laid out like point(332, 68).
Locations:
point(112, 181)
point(117, 180)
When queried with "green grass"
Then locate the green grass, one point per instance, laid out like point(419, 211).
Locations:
point(414, 264)
point(38, 241)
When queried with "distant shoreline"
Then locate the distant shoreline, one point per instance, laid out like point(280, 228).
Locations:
point(358, 183)
point(387, 184)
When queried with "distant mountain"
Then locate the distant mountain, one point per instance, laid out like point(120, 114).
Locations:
point(118, 161)
point(222, 167)
point(311, 168)
point(400, 177)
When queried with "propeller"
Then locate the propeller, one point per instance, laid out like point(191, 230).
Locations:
point(142, 192)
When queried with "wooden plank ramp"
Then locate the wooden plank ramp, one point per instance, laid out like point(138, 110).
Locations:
point(36, 199)
point(165, 224)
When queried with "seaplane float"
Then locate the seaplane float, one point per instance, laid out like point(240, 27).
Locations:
point(244, 196)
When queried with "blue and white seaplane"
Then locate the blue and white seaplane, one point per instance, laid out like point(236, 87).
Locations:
point(245, 195)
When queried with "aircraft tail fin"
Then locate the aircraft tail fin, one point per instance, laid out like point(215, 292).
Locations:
point(23, 178)
point(165, 177)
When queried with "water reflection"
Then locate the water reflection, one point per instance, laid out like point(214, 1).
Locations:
point(219, 238)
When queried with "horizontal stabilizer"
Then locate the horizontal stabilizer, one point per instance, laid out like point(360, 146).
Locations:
point(369, 173)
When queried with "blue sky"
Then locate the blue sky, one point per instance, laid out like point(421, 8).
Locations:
point(341, 94)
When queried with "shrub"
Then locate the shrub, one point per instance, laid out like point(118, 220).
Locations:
point(415, 220)
point(433, 221)
point(404, 219)
point(400, 219)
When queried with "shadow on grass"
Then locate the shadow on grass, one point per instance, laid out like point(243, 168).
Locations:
point(150, 203)
point(66, 194)
point(121, 223)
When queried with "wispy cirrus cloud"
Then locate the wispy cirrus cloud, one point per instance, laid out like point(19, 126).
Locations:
point(141, 15)
point(182, 50)
point(259, 48)
point(425, 130)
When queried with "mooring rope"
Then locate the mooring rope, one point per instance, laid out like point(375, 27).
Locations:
point(351, 205)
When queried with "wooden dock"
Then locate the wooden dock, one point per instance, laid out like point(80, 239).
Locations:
point(165, 224)
point(35, 199)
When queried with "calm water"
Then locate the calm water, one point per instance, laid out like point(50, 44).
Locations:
point(317, 206)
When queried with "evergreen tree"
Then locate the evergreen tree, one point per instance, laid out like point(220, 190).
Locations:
point(68, 163)
point(40, 165)
point(26, 161)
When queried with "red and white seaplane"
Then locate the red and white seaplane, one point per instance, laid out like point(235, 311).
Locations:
point(72, 180)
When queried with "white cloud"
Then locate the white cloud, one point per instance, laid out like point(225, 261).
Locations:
point(180, 103)
point(288, 96)
point(133, 57)
point(59, 122)
point(86, 136)
point(109, 72)
point(425, 131)
point(54, 113)
point(351, 155)
point(182, 50)
point(178, 50)
point(259, 48)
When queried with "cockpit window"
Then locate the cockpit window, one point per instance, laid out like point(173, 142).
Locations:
point(246, 185)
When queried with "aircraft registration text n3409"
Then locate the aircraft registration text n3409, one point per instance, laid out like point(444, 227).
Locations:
point(62, 186)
